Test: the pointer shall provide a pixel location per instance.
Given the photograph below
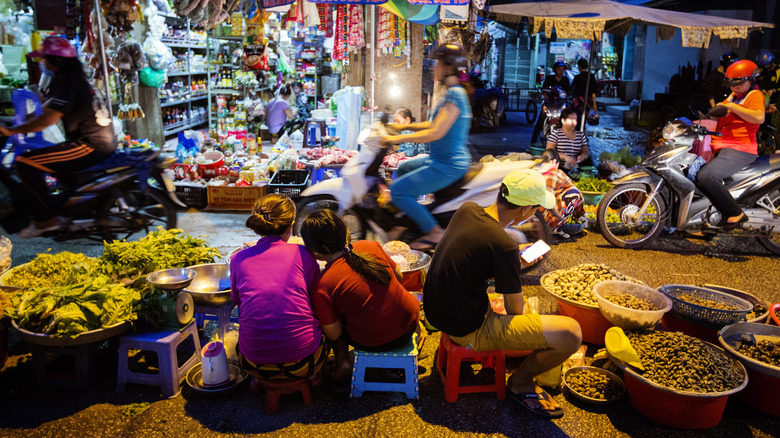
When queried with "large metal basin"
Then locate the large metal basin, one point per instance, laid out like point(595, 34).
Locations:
point(211, 286)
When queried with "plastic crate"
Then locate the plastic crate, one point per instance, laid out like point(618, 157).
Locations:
point(289, 183)
point(192, 196)
point(706, 315)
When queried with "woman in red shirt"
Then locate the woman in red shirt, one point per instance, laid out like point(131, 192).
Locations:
point(359, 299)
point(737, 147)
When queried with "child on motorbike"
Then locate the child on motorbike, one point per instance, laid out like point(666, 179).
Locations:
point(447, 134)
point(359, 300)
point(737, 147)
point(568, 199)
point(89, 132)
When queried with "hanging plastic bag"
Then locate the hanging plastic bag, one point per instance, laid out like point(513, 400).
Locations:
point(153, 78)
point(186, 147)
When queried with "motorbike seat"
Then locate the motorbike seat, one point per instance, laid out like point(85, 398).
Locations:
point(121, 159)
point(763, 163)
point(456, 189)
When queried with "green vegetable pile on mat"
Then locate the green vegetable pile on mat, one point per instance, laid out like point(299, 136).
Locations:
point(589, 184)
point(48, 270)
point(73, 309)
point(623, 156)
point(160, 249)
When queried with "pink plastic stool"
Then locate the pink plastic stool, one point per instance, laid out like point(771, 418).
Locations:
point(450, 357)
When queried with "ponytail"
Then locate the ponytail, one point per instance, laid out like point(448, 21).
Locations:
point(367, 266)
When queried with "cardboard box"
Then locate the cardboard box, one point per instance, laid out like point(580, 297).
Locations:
point(234, 198)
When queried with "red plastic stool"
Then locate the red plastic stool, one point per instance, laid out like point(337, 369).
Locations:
point(275, 388)
point(450, 357)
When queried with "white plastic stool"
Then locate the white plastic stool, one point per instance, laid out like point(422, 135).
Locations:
point(164, 344)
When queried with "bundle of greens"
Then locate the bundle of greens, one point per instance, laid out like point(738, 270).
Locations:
point(160, 249)
point(53, 270)
point(589, 184)
point(74, 309)
point(623, 156)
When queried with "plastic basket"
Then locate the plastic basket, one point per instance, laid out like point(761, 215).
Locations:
point(194, 197)
point(573, 229)
point(706, 315)
point(289, 183)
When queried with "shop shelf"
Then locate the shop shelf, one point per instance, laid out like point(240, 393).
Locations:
point(173, 129)
point(181, 101)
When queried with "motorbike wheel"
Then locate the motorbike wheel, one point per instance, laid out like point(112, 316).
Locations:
point(131, 211)
point(615, 217)
point(530, 231)
point(531, 110)
point(772, 243)
point(766, 142)
point(310, 204)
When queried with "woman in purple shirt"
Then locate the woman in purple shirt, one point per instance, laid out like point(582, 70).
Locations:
point(279, 337)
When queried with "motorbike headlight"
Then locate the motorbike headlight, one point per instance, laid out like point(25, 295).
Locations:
point(672, 130)
point(555, 113)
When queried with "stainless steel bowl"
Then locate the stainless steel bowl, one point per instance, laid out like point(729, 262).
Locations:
point(171, 279)
point(211, 287)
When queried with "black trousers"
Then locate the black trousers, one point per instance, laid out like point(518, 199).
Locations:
point(710, 179)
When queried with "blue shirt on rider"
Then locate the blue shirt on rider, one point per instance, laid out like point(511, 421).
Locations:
point(451, 149)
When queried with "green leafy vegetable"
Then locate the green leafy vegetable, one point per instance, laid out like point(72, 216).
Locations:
point(160, 249)
point(623, 156)
point(589, 184)
point(53, 270)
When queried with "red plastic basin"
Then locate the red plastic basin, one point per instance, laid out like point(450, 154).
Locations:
point(592, 323)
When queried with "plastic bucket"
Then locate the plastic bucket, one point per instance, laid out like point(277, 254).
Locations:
point(592, 198)
point(672, 408)
point(592, 323)
point(536, 150)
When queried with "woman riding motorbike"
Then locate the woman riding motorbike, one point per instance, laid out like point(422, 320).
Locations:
point(447, 134)
point(737, 147)
point(89, 132)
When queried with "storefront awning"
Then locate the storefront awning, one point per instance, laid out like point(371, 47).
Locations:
point(427, 14)
point(580, 19)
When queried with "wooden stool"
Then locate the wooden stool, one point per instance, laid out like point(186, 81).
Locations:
point(275, 388)
point(450, 357)
point(164, 344)
point(403, 358)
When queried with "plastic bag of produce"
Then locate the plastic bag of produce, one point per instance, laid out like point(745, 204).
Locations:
point(153, 78)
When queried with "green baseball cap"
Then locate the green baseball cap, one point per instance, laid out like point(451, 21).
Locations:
point(528, 187)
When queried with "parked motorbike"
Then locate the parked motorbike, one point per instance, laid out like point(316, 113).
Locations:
point(658, 194)
point(554, 104)
point(488, 104)
point(766, 138)
point(354, 196)
point(127, 193)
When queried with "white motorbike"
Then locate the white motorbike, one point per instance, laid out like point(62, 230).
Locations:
point(354, 195)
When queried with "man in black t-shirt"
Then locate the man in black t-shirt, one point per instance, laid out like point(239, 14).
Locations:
point(584, 80)
point(476, 248)
point(88, 130)
point(559, 79)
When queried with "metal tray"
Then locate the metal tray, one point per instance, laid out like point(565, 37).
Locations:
point(96, 335)
point(574, 370)
point(423, 261)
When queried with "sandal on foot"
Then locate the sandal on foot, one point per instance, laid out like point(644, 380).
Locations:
point(423, 245)
point(536, 396)
point(742, 218)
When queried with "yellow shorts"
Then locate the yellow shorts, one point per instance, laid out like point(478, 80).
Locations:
point(505, 332)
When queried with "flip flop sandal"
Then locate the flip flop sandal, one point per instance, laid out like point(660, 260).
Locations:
point(540, 411)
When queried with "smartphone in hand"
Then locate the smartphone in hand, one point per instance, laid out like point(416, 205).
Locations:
point(534, 251)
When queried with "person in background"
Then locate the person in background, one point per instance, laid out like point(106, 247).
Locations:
point(301, 101)
point(568, 199)
point(769, 80)
point(581, 81)
point(447, 134)
point(556, 80)
point(272, 281)
point(278, 111)
point(89, 132)
point(604, 73)
point(403, 116)
point(737, 147)
point(476, 248)
point(571, 145)
point(359, 300)
point(714, 89)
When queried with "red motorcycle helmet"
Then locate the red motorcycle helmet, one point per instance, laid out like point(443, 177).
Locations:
point(741, 71)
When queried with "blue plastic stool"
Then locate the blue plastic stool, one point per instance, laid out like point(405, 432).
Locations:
point(164, 344)
point(404, 358)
